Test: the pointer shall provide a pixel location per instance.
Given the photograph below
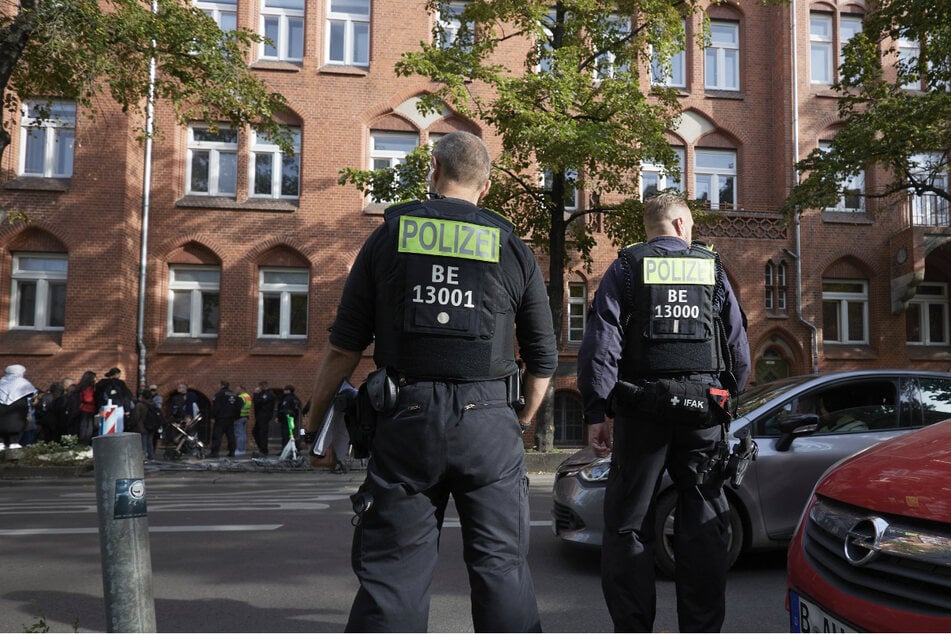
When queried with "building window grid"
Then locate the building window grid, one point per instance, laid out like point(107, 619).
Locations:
point(38, 293)
point(223, 12)
point(568, 418)
point(674, 76)
point(826, 43)
point(722, 56)
point(282, 23)
point(845, 311)
point(908, 52)
point(577, 311)
point(282, 303)
point(605, 66)
point(47, 138)
point(715, 178)
point(389, 149)
point(571, 192)
point(852, 198)
point(654, 178)
point(928, 209)
point(272, 174)
point(450, 23)
point(212, 161)
point(775, 274)
point(926, 318)
point(348, 32)
point(194, 298)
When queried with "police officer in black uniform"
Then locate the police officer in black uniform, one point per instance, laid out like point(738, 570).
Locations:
point(444, 289)
point(664, 344)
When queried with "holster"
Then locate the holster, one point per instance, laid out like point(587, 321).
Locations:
point(376, 396)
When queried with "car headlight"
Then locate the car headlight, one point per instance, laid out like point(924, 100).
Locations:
point(596, 471)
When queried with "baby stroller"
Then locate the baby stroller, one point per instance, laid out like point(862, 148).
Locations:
point(182, 440)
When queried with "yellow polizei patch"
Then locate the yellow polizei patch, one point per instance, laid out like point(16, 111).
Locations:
point(679, 271)
point(449, 238)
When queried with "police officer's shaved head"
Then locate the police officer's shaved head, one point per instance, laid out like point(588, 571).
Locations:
point(463, 158)
point(668, 214)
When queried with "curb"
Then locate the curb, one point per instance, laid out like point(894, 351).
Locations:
point(9, 470)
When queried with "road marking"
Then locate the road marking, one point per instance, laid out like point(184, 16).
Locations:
point(221, 528)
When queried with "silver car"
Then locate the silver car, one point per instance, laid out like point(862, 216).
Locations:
point(802, 425)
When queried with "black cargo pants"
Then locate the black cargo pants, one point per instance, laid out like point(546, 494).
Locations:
point(459, 439)
point(643, 448)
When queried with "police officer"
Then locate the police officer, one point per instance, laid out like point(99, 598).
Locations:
point(444, 288)
point(664, 341)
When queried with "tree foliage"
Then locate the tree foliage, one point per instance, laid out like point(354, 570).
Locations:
point(895, 109)
point(84, 50)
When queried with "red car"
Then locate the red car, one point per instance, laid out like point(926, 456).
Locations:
point(873, 549)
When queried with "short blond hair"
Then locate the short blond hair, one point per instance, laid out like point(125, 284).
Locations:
point(662, 209)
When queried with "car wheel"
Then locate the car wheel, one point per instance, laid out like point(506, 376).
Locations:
point(664, 532)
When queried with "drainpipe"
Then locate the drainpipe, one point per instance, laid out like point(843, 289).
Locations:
point(146, 202)
point(797, 229)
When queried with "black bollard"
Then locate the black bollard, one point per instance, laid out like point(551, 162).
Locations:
point(124, 533)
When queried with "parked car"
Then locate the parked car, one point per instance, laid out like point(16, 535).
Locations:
point(802, 425)
point(873, 549)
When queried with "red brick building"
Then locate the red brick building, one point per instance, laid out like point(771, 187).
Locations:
point(247, 252)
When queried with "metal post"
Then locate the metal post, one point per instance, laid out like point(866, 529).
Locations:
point(123, 533)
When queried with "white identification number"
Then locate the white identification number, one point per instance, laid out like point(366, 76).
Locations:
point(677, 311)
point(442, 296)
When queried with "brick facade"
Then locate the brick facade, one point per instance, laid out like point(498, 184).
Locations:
point(95, 217)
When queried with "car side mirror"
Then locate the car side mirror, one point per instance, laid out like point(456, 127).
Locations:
point(794, 427)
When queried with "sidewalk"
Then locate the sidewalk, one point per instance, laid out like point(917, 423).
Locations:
point(11, 470)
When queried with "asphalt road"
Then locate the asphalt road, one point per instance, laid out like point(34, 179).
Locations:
point(269, 552)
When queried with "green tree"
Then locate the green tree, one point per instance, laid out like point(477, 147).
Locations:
point(895, 107)
point(83, 49)
point(575, 109)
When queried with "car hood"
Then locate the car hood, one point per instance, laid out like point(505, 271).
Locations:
point(909, 475)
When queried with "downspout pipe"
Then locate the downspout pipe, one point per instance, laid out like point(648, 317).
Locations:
point(797, 225)
point(146, 203)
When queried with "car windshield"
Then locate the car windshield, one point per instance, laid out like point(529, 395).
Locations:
point(759, 394)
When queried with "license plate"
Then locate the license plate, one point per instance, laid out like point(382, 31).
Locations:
point(806, 616)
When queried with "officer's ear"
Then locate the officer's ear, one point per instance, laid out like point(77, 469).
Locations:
point(485, 189)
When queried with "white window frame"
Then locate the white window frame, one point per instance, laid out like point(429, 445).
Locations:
point(715, 175)
point(845, 300)
point(850, 25)
point(722, 57)
point(544, 50)
point(198, 290)
point(350, 23)
point(929, 296)
point(851, 183)
point(929, 209)
point(909, 51)
point(659, 176)
point(46, 280)
point(285, 292)
point(450, 23)
point(48, 128)
point(775, 286)
point(605, 66)
point(289, 20)
point(821, 47)
point(577, 311)
point(382, 158)
point(570, 191)
point(223, 12)
point(268, 153)
point(676, 75)
point(216, 150)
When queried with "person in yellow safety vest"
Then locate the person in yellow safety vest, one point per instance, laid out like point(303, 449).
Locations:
point(240, 435)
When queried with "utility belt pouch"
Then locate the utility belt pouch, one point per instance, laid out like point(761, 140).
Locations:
point(513, 390)
point(382, 391)
point(642, 397)
point(680, 401)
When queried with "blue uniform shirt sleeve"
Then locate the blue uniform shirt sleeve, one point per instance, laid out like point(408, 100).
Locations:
point(601, 347)
point(736, 339)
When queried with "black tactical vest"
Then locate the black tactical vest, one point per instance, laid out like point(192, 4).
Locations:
point(670, 312)
point(444, 311)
